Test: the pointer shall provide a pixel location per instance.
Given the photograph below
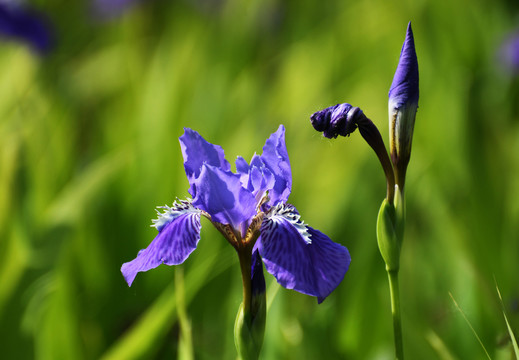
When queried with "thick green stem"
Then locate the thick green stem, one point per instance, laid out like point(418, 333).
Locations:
point(395, 310)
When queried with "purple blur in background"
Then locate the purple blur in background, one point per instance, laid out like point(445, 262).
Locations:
point(26, 25)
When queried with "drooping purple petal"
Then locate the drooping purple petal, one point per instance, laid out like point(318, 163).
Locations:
point(221, 194)
point(179, 232)
point(404, 88)
point(275, 158)
point(197, 151)
point(300, 257)
point(20, 23)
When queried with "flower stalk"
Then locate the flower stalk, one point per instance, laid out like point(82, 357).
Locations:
point(395, 311)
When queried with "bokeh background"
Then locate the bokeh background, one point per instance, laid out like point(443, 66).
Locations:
point(89, 147)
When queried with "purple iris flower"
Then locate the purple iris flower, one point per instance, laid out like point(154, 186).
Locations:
point(252, 200)
point(22, 24)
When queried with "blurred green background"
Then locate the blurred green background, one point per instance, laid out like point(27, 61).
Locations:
point(89, 146)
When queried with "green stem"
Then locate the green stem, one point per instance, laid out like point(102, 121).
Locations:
point(395, 310)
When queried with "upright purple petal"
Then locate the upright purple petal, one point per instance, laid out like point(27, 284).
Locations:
point(300, 257)
point(404, 89)
point(22, 24)
point(256, 177)
point(179, 232)
point(275, 158)
point(261, 180)
point(197, 151)
point(221, 194)
point(242, 167)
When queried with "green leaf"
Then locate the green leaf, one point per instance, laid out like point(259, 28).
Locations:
point(510, 331)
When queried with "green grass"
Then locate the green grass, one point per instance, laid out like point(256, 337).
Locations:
point(89, 146)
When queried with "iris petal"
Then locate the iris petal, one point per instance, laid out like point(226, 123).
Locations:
point(179, 232)
point(242, 167)
point(256, 161)
point(197, 151)
point(256, 179)
point(275, 158)
point(221, 194)
point(300, 257)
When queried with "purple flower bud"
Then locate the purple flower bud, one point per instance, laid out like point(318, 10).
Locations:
point(333, 121)
point(404, 88)
point(402, 106)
